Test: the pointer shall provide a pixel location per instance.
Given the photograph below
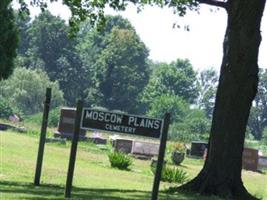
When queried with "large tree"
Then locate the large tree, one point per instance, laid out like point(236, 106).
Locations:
point(120, 71)
point(8, 39)
point(221, 174)
point(45, 44)
point(48, 40)
point(115, 59)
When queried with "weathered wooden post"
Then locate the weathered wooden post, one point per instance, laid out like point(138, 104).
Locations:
point(162, 147)
point(73, 150)
point(40, 155)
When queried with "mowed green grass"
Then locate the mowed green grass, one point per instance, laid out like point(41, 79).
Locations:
point(93, 178)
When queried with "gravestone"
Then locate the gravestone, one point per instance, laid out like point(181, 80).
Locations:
point(198, 148)
point(145, 148)
point(4, 127)
point(97, 140)
point(123, 145)
point(250, 159)
point(262, 162)
point(66, 124)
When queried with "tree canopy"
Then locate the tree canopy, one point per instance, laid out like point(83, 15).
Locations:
point(25, 90)
point(177, 78)
point(120, 72)
point(8, 39)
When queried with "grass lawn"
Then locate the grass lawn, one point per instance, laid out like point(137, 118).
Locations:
point(93, 177)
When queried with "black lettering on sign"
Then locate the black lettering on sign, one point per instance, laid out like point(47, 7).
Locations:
point(123, 123)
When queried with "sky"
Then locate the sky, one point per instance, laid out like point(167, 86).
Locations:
point(202, 45)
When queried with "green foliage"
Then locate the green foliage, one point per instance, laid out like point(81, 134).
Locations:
point(25, 90)
point(34, 119)
point(119, 72)
point(195, 126)
point(47, 41)
point(47, 46)
point(169, 103)
point(5, 108)
point(33, 132)
point(264, 138)
point(257, 121)
point(53, 118)
point(208, 81)
point(177, 78)
point(23, 23)
point(8, 39)
point(120, 160)
point(108, 67)
point(94, 11)
point(197, 122)
point(172, 174)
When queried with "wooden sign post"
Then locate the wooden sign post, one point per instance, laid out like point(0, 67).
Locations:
point(92, 119)
point(162, 147)
point(40, 155)
point(73, 150)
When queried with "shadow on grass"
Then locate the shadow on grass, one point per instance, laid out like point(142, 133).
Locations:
point(28, 191)
point(50, 191)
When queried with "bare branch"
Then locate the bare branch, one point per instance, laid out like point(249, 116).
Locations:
point(221, 4)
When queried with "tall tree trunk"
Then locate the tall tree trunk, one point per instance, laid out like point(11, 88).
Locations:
point(221, 174)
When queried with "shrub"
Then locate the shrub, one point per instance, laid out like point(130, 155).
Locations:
point(33, 132)
point(53, 118)
point(172, 175)
point(120, 160)
point(5, 108)
point(34, 119)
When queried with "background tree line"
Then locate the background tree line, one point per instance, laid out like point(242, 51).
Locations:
point(111, 69)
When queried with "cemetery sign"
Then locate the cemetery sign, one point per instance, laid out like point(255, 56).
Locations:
point(92, 119)
point(120, 122)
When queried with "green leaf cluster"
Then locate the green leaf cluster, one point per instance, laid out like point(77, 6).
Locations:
point(5, 108)
point(8, 39)
point(172, 174)
point(25, 90)
point(195, 126)
point(171, 104)
point(120, 160)
point(177, 78)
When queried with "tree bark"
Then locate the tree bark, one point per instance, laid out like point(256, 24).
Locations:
point(221, 174)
